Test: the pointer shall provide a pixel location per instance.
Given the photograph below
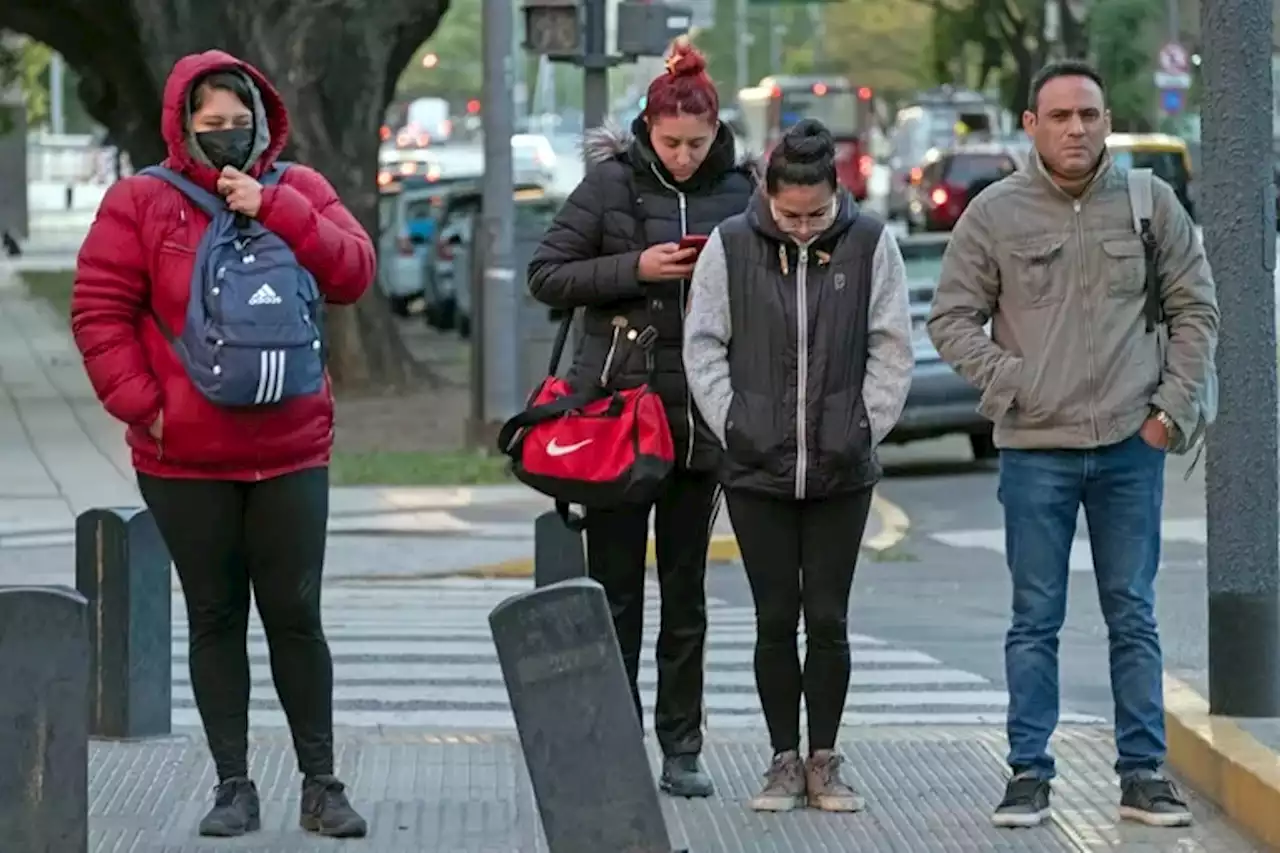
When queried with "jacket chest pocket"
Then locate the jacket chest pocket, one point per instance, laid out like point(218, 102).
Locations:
point(1126, 266)
point(1031, 269)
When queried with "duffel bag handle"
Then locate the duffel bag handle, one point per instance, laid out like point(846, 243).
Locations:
point(546, 412)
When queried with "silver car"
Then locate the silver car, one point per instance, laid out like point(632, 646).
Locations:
point(940, 402)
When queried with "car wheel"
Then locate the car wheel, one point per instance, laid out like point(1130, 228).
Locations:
point(984, 446)
point(464, 326)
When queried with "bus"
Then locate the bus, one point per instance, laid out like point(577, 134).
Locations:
point(769, 109)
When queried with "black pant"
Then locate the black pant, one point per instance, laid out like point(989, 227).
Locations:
point(617, 542)
point(226, 537)
point(800, 556)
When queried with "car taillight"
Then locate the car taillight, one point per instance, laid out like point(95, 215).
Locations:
point(865, 165)
point(939, 197)
point(405, 245)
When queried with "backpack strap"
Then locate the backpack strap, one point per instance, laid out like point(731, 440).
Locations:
point(273, 175)
point(1142, 206)
point(207, 201)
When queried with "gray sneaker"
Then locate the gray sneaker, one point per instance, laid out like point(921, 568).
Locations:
point(783, 784)
point(827, 791)
point(1152, 799)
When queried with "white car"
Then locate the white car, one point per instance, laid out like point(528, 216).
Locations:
point(533, 160)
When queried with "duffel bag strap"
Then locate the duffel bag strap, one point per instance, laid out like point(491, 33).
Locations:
point(547, 412)
point(576, 523)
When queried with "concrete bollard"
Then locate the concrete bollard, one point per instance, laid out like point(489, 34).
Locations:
point(44, 737)
point(122, 569)
point(558, 550)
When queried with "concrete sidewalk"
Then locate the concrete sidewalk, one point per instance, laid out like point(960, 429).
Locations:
point(928, 789)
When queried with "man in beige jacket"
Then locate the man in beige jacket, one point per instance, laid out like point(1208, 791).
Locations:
point(1086, 400)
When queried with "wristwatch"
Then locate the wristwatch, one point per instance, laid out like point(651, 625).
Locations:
point(1170, 428)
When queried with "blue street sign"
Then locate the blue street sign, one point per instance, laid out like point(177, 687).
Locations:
point(1172, 100)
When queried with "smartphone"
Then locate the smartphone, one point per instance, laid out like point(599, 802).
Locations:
point(693, 241)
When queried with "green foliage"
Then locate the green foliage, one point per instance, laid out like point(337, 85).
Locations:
point(459, 71)
point(880, 43)
point(24, 64)
point(1123, 43)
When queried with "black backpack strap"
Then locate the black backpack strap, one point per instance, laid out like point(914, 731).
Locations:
point(1142, 206)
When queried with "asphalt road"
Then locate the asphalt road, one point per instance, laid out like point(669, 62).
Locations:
point(951, 601)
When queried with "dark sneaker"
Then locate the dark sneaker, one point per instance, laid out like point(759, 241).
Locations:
point(1153, 800)
point(1025, 803)
point(826, 790)
point(235, 810)
point(682, 777)
point(784, 784)
point(326, 810)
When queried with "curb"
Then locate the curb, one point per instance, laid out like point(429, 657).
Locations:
point(1223, 762)
point(723, 548)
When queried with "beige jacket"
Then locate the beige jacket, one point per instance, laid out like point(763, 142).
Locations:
point(1069, 363)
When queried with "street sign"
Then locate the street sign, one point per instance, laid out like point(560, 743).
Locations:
point(1174, 59)
point(1172, 101)
point(1165, 80)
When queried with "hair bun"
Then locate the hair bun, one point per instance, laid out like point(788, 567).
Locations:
point(808, 141)
point(685, 60)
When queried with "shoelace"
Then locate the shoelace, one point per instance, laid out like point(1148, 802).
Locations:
point(1163, 791)
point(829, 774)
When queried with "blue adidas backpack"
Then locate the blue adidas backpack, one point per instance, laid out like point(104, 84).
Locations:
point(253, 330)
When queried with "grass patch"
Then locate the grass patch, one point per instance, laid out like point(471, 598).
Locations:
point(406, 468)
point(53, 287)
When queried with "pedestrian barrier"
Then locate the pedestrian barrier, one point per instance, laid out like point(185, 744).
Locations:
point(582, 741)
point(44, 738)
point(122, 569)
point(558, 553)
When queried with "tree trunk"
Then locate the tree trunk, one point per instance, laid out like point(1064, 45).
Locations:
point(335, 63)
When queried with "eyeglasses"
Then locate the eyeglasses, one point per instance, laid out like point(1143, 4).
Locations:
point(816, 221)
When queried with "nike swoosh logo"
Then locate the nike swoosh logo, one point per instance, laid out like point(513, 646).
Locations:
point(554, 449)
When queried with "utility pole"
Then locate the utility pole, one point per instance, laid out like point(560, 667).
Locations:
point(742, 20)
point(595, 65)
point(57, 88)
point(1242, 490)
point(494, 302)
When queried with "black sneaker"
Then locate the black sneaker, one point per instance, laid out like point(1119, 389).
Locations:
point(1154, 800)
point(682, 777)
point(235, 810)
point(1025, 803)
point(326, 810)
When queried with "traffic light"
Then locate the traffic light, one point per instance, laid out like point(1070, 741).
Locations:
point(473, 106)
point(557, 28)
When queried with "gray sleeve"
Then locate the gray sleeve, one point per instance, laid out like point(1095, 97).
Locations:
point(890, 359)
point(707, 329)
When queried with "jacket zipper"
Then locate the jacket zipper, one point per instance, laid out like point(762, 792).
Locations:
point(802, 371)
point(684, 297)
point(1088, 327)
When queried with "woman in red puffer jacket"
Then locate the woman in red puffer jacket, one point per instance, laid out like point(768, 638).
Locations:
point(240, 495)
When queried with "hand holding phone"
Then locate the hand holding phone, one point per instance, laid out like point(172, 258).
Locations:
point(667, 262)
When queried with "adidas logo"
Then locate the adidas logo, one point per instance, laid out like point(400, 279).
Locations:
point(265, 296)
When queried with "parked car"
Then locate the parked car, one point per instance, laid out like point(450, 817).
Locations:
point(533, 159)
point(451, 308)
point(408, 214)
point(1168, 157)
point(939, 403)
point(951, 178)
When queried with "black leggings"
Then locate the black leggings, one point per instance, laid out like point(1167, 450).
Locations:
point(224, 538)
point(800, 556)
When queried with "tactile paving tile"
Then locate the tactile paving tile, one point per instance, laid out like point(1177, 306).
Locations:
point(927, 789)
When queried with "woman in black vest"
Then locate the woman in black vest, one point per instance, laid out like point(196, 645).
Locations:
point(613, 251)
point(798, 353)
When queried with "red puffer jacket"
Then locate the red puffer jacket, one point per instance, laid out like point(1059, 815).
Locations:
point(136, 264)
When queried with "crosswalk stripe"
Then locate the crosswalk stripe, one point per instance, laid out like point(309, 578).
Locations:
point(421, 655)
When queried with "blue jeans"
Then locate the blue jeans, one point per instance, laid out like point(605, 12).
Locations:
point(1121, 488)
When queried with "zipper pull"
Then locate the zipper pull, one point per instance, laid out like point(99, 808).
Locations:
point(782, 259)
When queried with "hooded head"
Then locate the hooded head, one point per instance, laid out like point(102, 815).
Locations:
point(221, 111)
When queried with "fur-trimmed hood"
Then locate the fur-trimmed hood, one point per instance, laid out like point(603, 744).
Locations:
point(612, 141)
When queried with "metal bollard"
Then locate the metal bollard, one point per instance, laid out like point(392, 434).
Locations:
point(44, 749)
point(122, 569)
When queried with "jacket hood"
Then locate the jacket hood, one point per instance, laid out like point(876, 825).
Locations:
point(612, 141)
point(270, 120)
point(760, 217)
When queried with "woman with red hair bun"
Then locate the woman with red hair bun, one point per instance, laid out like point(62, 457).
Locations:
point(614, 251)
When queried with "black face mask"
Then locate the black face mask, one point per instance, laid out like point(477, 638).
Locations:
point(227, 147)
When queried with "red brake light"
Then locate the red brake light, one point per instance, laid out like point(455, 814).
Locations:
point(939, 197)
point(819, 89)
point(865, 166)
point(864, 94)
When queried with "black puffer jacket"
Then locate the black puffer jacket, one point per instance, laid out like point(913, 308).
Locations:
point(590, 255)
